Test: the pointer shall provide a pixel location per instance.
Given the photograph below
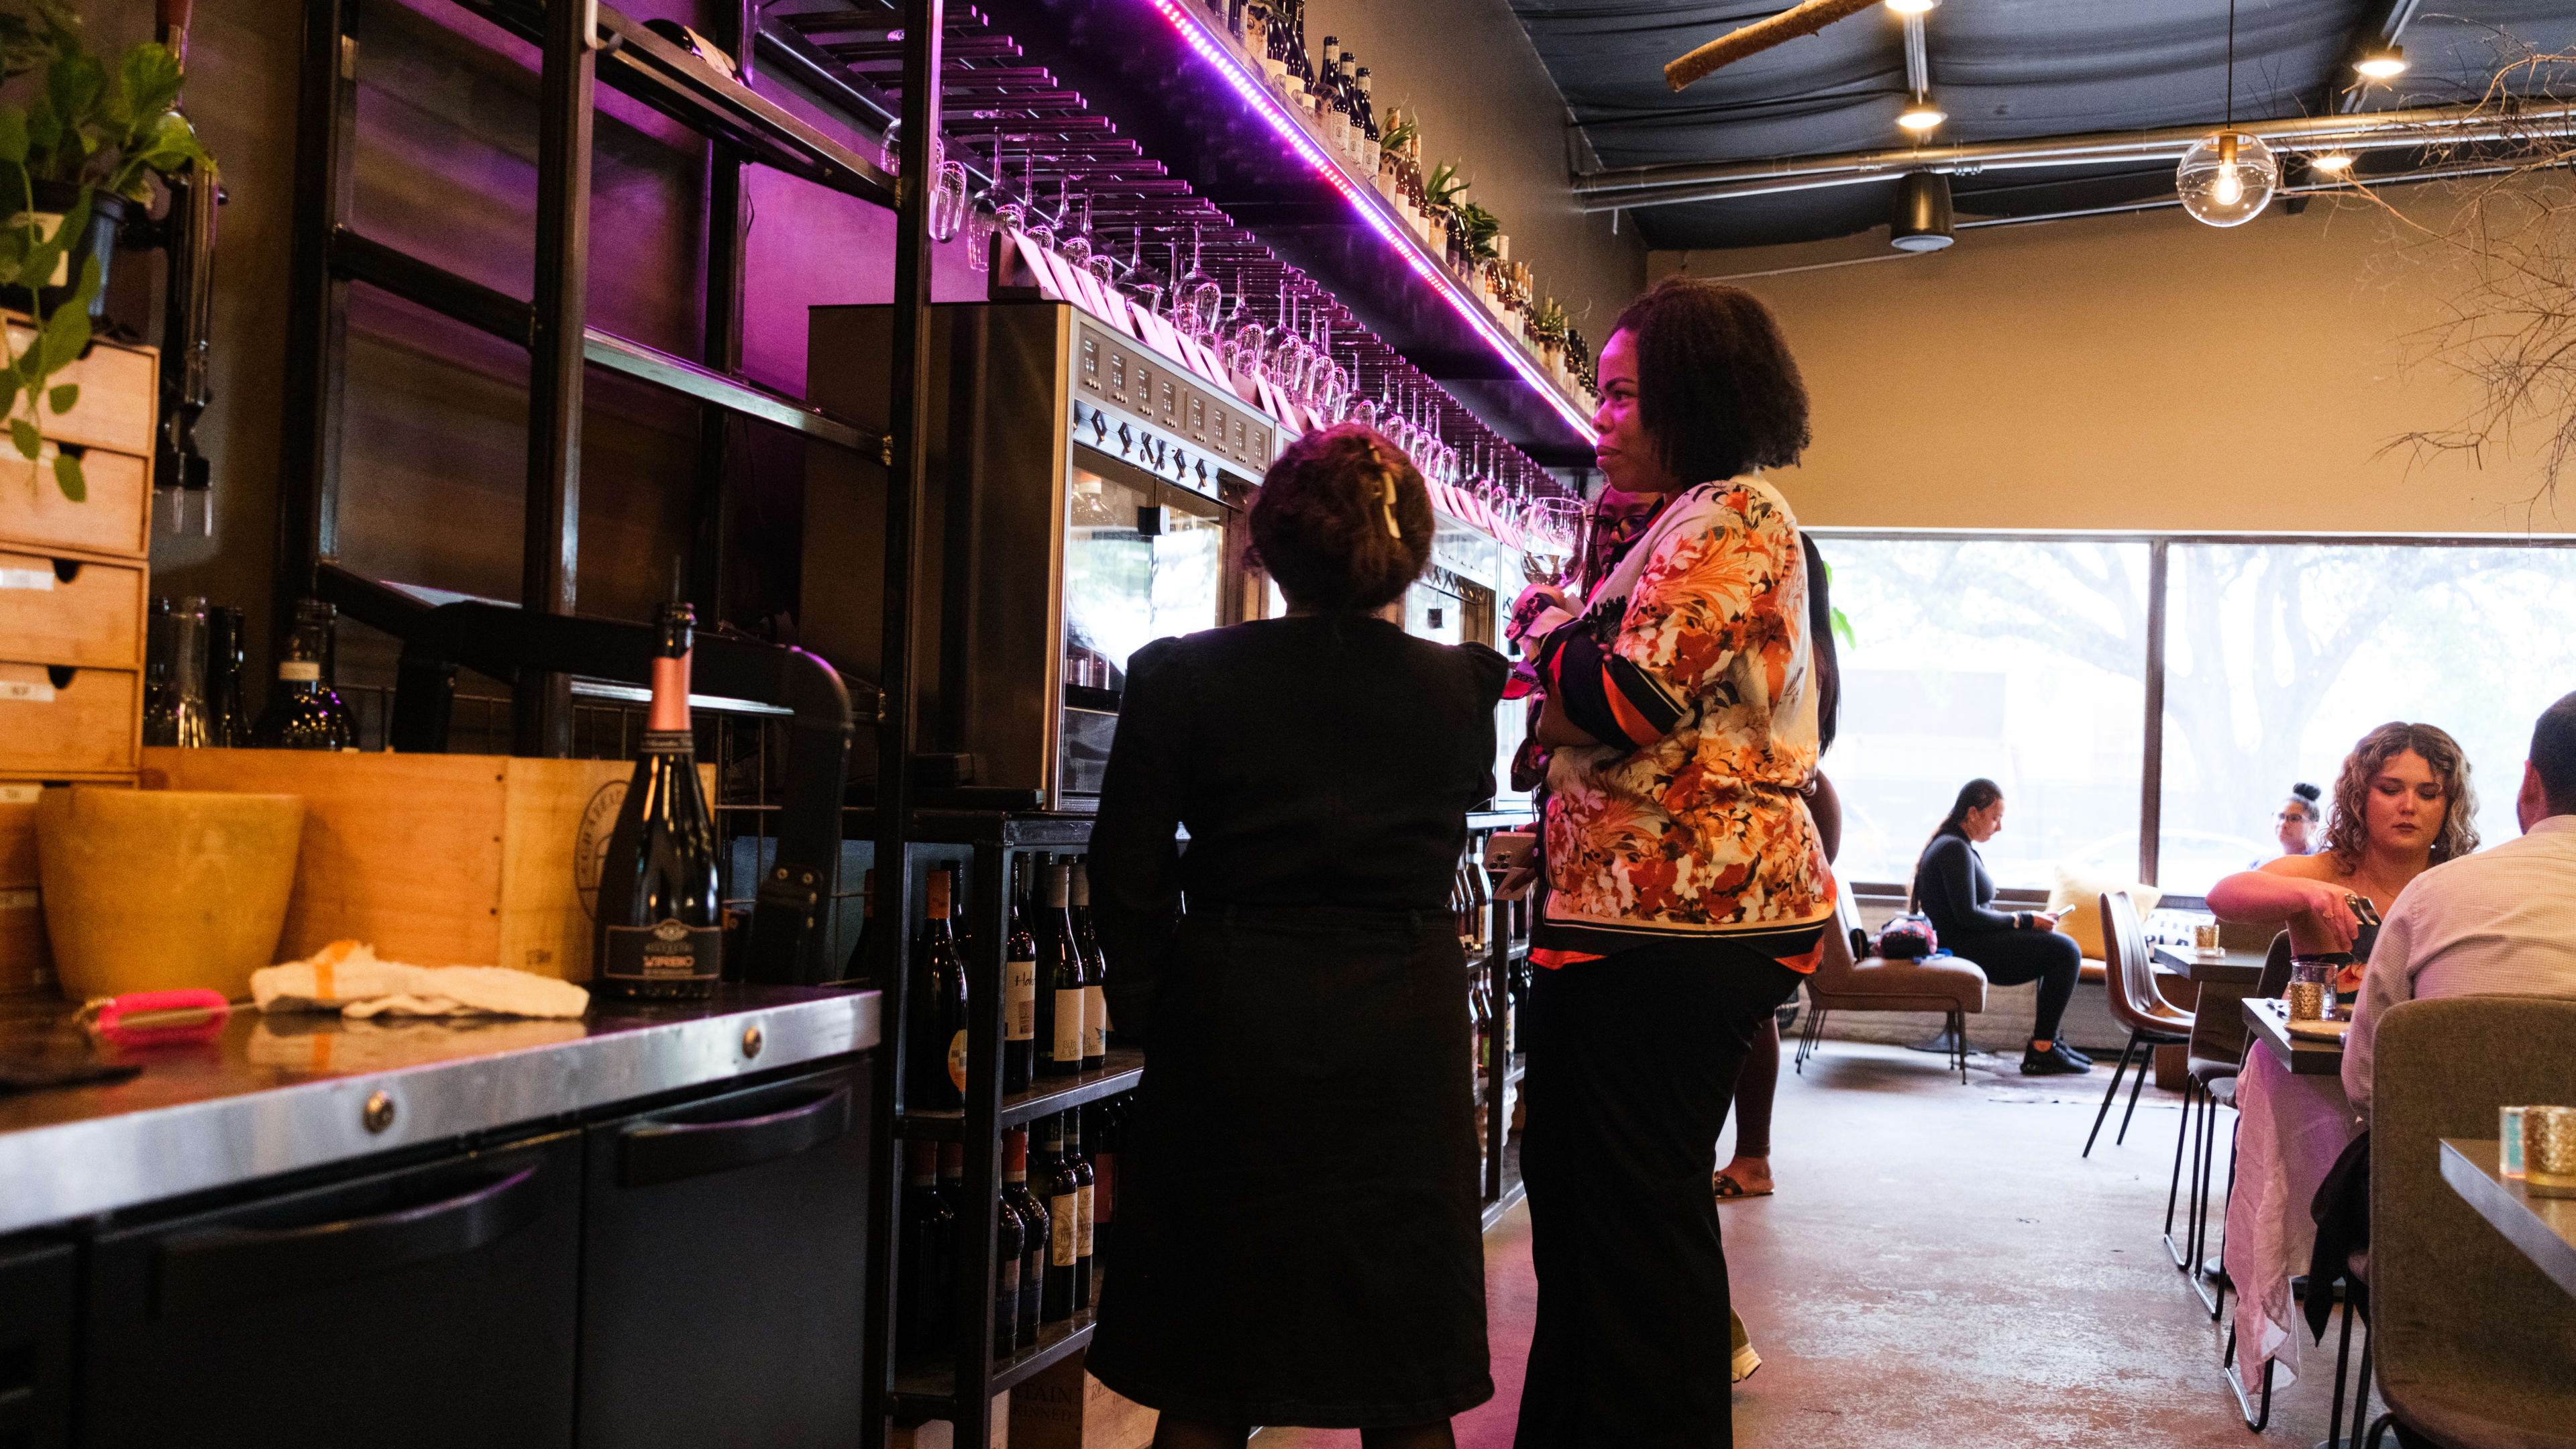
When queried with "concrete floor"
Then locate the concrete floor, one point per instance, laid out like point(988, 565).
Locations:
point(1941, 1268)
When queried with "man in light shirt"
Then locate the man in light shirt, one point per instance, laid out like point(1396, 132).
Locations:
point(2501, 922)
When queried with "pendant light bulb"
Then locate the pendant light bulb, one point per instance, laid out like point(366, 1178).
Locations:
point(1920, 115)
point(2226, 179)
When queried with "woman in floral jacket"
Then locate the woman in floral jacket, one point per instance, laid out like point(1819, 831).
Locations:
point(1686, 888)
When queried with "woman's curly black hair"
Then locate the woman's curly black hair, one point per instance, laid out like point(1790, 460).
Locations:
point(1716, 387)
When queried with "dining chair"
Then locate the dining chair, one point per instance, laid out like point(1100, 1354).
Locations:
point(2136, 1004)
point(2472, 1341)
point(1849, 978)
point(2216, 1054)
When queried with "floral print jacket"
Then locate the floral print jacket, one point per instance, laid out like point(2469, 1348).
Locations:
point(1691, 664)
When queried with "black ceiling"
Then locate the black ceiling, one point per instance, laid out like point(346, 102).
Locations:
point(2003, 70)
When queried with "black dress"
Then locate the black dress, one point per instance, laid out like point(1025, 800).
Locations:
point(1298, 1237)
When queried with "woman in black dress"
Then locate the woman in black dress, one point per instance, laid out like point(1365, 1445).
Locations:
point(1952, 888)
point(1298, 1227)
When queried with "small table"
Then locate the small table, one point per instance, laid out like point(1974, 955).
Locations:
point(2236, 968)
point(2268, 1017)
point(2543, 1228)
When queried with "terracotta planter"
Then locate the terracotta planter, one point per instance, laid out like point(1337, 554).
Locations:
point(155, 890)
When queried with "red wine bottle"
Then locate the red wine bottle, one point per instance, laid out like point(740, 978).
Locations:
point(1009, 1239)
point(660, 933)
point(923, 1286)
point(1062, 979)
point(1036, 1231)
point(1084, 1195)
point(937, 1051)
point(1019, 992)
point(1095, 970)
point(1064, 1209)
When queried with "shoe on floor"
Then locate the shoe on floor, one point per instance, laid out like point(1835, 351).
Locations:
point(2077, 1057)
point(2053, 1062)
point(1746, 1361)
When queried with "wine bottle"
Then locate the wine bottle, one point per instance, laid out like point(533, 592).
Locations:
point(937, 1049)
point(922, 1279)
point(660, 934)
point(1063, 1194)
point(1019, 990)
point(952, 1227)
point(1036, 1231)
point(1085, 1183)
point(1108, 1136)
point(1063, 979)
point(160, 722)
point(304, 710)
point(1009, 1237)
point(228, 724)
point(1331, 118)
point(1095, 969)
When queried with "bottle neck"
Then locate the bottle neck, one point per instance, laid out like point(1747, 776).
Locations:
point(670, 710)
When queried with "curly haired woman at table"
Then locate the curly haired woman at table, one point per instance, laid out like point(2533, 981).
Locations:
point(1952, 888)
point(2403, 803)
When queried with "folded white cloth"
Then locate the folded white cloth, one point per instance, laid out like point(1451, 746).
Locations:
point(347, 977)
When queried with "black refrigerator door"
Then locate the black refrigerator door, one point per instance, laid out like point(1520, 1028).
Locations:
point(724, 1270)
point(430, 1306)
point(38, 1305)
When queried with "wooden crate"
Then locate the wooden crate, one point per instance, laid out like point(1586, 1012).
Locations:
point(120, 395)
point(438, 860)
point(1064, 1407)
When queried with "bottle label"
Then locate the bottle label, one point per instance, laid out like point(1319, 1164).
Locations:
point(1069, 1025)
point(668, 950)
point(668, 742)
point(1082, 1223)
point(300, 671)
point(1006, 1289)
point(1095, 1022)
point(957, 1061)
point(1064, 1209)
point(1020, 1000)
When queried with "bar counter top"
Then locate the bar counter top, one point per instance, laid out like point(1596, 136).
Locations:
point(287, 1092)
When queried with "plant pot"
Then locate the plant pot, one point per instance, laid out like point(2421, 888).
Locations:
point(155, 890)
point(54, 201)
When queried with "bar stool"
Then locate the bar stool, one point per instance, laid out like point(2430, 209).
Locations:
point(2136, 1004)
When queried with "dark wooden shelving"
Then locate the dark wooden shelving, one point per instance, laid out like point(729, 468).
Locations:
point(931, 1388)
point(1514, 1190)
point(1050, 1096)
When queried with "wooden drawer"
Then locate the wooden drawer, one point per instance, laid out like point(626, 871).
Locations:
point(115, 519)
point(90, 722)
point(120, 396)
point(94, 618)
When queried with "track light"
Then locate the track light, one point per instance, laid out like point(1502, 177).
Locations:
point(2381, 61)
point(1912, 7)
point(1920, 221)
point(2333, 163)
point(1920, 115)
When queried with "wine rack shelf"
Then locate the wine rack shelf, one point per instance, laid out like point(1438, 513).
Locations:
point(931, 1387)
point(1050, 1096)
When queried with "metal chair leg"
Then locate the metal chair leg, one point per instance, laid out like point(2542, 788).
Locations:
point(2343, 1357)
point(2173, 1187)
point(2212, 1291)
point(1959, 1041)
point(2145, 1063)
point(2125, 1053)
point(2361, 1389)
point(2254, 1419)
point(2379, 1426)
point(1808, 1036)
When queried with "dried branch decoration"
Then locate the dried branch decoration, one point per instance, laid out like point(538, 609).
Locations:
point(1761, 35)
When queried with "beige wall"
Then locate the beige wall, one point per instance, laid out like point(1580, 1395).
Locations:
point(2135, 372)
point(1485, 100)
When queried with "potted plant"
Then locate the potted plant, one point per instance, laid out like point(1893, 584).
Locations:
point(74, 157)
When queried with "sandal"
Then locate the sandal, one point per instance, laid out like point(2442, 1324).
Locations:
point(1729, 1190)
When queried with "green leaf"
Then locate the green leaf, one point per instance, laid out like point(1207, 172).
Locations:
point(147, 84)
point(13, 135)
point(38, 265)
point(21, 48)
point(23, 433)
point(67, 331)
point(67, 476)
point(1843, 631)
point(63, 399)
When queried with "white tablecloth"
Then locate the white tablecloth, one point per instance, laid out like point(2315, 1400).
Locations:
point(2289, 1131)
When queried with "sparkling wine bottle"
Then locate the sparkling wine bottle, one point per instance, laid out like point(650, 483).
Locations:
point(304, 711)
point(660, 933)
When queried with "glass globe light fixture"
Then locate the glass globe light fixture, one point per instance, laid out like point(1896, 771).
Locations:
point(2227, 179)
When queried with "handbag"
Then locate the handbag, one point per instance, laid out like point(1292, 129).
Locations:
point(1909, 937)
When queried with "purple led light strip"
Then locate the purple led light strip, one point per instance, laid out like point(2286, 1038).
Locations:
point(1371, 207)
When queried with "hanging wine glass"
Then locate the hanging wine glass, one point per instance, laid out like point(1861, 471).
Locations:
point(1041, 228)
point(1197, 295)
point(1103, 264)
point(1074, 242)
point(948, 204)
point(1144, 284)
point(1229, 331)
point(1363, 408)
point(1251, 340)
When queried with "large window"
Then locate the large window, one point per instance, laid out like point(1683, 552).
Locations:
point(2025, 660)
point(2017, 660)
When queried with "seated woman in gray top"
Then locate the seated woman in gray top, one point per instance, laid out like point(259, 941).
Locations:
point(1952, 888)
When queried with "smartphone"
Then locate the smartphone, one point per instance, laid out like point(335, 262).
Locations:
point(1509, 850)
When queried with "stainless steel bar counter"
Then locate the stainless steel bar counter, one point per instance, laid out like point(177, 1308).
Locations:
point(284, 1093)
